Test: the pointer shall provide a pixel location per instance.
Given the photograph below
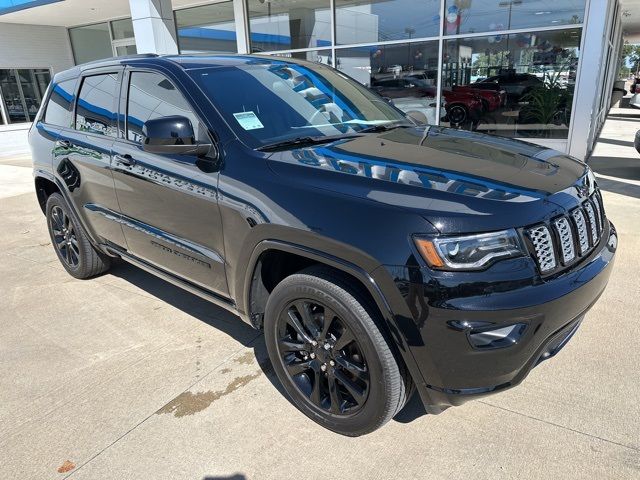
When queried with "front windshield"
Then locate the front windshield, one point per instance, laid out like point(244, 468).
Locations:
point(273, 101)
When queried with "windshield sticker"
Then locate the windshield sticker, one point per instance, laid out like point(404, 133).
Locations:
point(248, 120)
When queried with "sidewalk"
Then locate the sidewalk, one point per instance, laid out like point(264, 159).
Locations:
point(615, 160)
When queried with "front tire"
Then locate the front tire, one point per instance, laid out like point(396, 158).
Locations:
point(458, 114)
point(330, 355)
point(70, 242)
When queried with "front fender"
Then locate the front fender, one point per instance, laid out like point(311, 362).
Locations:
point(398, 325)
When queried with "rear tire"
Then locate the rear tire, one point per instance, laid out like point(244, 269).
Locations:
point(70, 242)
point(349, 381)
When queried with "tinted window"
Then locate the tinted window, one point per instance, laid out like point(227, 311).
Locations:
point(94, 111)
point(58, 107)
point(151, 96)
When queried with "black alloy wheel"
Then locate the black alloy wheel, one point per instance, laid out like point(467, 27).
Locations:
point(335, 362)
point(64, 237)
point(322, 357)
point(77, 255)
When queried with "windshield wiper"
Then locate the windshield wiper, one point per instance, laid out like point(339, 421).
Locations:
point(301, 141)
point(384, 127)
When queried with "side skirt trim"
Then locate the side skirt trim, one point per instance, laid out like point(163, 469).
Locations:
point(218, 300)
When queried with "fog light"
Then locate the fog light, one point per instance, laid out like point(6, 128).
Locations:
point(498, 338)
point(485, 335)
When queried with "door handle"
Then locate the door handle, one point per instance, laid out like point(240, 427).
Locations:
point(63, 144)
point(125, 159)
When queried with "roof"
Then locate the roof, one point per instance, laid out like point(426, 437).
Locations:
point(186, 62)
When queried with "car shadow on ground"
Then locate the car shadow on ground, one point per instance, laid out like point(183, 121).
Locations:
point(189, 303)
point(236, 476)
point(228, 323)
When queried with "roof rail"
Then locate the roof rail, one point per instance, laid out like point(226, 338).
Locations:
point(111, 60)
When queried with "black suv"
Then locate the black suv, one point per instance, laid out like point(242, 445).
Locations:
point(378, 255)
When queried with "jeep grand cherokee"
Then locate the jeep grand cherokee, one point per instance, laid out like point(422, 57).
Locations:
point(378, 255)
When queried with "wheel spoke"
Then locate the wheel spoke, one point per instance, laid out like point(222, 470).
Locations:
point(289, 346)
point(297, 326)
point(303, 309)
point(67, 254)
point(296, 368)
point(73, 256)
point(315, 389)
point(345, 339)
point(334, 394)
point(60, 243)
point(328, 317)
point(358, 371)
point(356, 392)
point(55, 216)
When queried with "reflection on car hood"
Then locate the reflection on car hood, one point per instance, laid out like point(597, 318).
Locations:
point(443, 174)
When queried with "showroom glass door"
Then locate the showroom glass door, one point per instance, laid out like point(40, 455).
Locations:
point(21, 93)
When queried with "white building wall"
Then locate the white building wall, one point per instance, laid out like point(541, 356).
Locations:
point(34, 46)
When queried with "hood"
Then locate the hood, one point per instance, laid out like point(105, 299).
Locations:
point(459, 181)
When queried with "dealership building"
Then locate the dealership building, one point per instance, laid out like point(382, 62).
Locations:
point(540, 70)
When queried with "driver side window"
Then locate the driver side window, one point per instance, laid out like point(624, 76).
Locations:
point(151, 96)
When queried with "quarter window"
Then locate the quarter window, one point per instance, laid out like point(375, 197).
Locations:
point(151, 96)
point(59, 104)
point(95, 110)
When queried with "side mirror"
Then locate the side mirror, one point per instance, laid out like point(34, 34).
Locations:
point(172, 135)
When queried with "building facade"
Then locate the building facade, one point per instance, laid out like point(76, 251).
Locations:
point(537, 70)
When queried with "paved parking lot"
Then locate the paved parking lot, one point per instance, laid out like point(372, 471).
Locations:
point(125, 376)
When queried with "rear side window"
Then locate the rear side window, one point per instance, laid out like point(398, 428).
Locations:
point(151, 96)
point(95, 111)
point(58, 110)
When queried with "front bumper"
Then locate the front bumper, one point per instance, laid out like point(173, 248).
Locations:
point(453, 370)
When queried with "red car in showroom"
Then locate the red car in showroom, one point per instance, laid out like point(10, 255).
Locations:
point(491, 99)
point(461, 107)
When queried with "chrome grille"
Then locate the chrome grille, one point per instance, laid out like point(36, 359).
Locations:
point(562, 241)
point(581, 226)
point(566, 239)
point(592, 222)
point(543, 245)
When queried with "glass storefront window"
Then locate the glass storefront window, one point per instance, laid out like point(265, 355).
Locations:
point(126, 50)
point(359, 21)
point(517, 85)
point(316, 56)
point(282, 25)
point(475, 16)
point(403, 73)
point(210, 28)
point(91, 42)
point(22, 91)
point(122, 29)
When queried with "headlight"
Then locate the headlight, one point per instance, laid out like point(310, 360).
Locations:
point(469, 252)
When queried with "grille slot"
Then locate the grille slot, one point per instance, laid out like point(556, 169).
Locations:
point(581, 227)
point(591, 214)
point(565, 236)
point(543, 245)
point(600, 216)
point(562, 241)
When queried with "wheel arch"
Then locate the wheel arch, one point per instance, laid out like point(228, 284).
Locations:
point(255, 293)
point(45, 185)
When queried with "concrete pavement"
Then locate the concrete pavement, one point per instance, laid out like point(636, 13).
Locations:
point(125, 376)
